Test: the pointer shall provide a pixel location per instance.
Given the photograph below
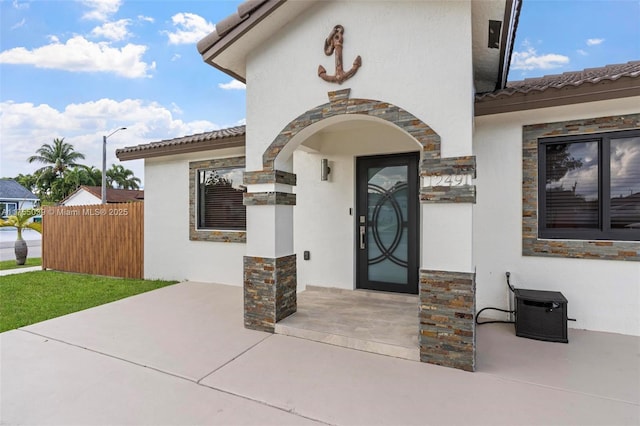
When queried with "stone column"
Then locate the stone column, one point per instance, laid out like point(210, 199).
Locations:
point(269, 291)
point(447, 326)
point(447, 288)
point(270, 265)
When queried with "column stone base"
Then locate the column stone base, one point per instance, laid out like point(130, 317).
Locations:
point(269, 291)
point(447, 312)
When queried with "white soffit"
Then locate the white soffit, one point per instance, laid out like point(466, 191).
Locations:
point(486, 61)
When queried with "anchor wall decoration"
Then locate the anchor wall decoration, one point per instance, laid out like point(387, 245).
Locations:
point(334, 43)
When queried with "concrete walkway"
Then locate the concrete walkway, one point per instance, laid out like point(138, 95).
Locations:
point(19, 270)
point(180, 355)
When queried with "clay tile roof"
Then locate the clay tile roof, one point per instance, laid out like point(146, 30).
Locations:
point(217, 139)
point(589, 76)
point(223, 27)
point(115, 195)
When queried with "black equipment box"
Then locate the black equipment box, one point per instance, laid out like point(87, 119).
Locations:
point(541, 315)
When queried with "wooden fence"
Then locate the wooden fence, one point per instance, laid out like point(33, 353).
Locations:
point(103, 239)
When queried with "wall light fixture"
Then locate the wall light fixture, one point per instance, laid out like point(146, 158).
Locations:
point(324, 169)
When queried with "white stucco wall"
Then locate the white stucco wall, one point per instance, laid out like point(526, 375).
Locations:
point(82, 198)
point(429, 74)
point(168, 252)
point(603, 295)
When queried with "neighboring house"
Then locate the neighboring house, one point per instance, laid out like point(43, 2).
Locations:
point(14, 196)
point(442, 176)
point(87, 195)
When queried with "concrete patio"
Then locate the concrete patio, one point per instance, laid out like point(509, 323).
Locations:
point(371, 321)
point(180, 355)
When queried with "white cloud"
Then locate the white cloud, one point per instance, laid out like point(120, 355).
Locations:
point(145, 18)
point(529, 59)
point(81, 55)
point(582, 52)
point(190, 28)
point(176, 109)
point(625, 166)
point(242, 122)
point(594, 41)
point(101, 10)
point(176, 57)
point(19, 24)
point(115, 31)
point(584, 179)
point(232, 85)
point(18, 5)
point(27, 126)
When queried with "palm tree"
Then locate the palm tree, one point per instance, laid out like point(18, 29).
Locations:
point(28, 181)
point(20, 221)
point(73, 179)
point(94, 175)
point(57, 157)
point(119, 177)
point(82, 176)
point(45, 180)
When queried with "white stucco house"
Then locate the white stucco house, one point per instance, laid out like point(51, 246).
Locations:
point(385, 150)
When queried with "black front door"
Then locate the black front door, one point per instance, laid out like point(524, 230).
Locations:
point(387, 223)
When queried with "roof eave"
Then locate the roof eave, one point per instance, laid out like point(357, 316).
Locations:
point(162, 151)
point(605, 90)
point(211, 50)
point(18, 199)
point(511, 17)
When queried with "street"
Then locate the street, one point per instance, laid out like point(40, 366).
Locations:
point(8, 238)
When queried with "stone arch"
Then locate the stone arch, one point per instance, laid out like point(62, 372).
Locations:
point(339, 104)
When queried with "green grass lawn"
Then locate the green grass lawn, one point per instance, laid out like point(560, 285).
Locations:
point(31, 297)
point(11, 264)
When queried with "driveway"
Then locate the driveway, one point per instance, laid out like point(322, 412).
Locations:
point(180, 355)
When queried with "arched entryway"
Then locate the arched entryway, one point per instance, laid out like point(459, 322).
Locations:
point(270, 267)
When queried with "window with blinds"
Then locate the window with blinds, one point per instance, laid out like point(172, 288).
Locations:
point(220, 199)
point(589, 186)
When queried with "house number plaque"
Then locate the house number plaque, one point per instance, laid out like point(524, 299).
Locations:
point(447, 180)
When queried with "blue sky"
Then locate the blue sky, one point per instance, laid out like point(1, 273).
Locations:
point(79, 69)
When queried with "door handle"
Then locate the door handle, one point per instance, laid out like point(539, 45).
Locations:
point(362, 231)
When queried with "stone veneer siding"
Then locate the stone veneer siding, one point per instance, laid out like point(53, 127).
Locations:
point(447, 326)
point(269, 291)
point(449, 166)
point(448, 194)
point(269, 199)
point(586, 249)
point(453, 166)
point(196, 234)
point(270, 176)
